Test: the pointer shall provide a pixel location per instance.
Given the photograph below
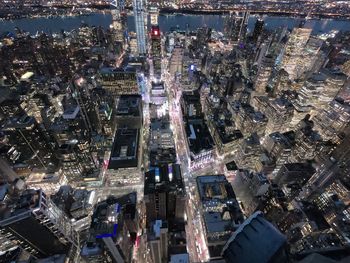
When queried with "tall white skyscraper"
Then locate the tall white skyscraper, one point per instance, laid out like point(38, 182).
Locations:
point(294, 49)
point(139, 16)
point(118, 19)
point(154, 13)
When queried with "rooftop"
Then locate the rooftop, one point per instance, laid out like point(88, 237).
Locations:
point(163, 178)
point(221, 212)
point(22, 122)
point(214, 187)
point(108, 220)
point(198, 135)
point(256, 232)
point(74, 202)
point(20, 206)
point(105, 219)
point(216, 222)
point(71, 111)
point(157, 86)
point(128, 105)
point(231, 166)
point(125, 149)
point(111, 71)
point(179, 258)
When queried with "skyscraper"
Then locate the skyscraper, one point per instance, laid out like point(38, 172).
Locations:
point(139, 16)
point(258, 28)
point(293, 50)
point(263, 75)
point(25, 220)
point(112, 230)
point(156, 50)
point(236, 26)
point(157, 239)
point(154, 13)
point(118, 19)
point(164, 194)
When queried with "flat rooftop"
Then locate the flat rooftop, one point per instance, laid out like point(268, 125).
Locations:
point(111, 71)
point(125, 149)
point(215, 222)
point(158, 86)
point(128, 105)
point(163, 178)
point(231, 166)
point(220, 207)
point(191, 98)
point(162, 156)
point(214, 187)
point(198, 135)
point(106, 219)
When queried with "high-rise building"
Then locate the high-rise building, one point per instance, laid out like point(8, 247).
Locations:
point(248, 120)
point(31, 145)
point(294, 49)
point(332, 120)
point(139, 16)
point(128, 112)
point(258, 28)
point(125, 159)
point(119, 81)
point(176, 60)
point(249, 152)
point(279, 113)
point(112, 231)
point(262, 52)
point(157, 239)
point(25, 219)
point(312, 58)
point(251, 189)
point(263, 75)
point(154, 13)
point(279, 146)
point(118, 19)
point(282, 82)
point(203, 36)
point(156, 51)
point(6, 172)
point(236, 26)
point(292, 177)
point(164, 194)
point(319, 90)
point(162, 144)
point(76, 205)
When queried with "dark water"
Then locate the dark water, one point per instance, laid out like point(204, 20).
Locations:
point(165, 22)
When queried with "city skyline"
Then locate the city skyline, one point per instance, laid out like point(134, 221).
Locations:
point(186, 131)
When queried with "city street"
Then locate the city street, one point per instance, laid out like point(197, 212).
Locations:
point(196, 247)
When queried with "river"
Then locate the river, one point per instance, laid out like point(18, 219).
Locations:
point(51, 25)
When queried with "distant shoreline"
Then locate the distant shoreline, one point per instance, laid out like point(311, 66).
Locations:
point(40, 11)
point(271, 13)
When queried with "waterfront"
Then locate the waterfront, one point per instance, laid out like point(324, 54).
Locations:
point(56, 24)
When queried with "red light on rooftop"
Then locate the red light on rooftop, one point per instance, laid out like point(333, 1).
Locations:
point(155, 31)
